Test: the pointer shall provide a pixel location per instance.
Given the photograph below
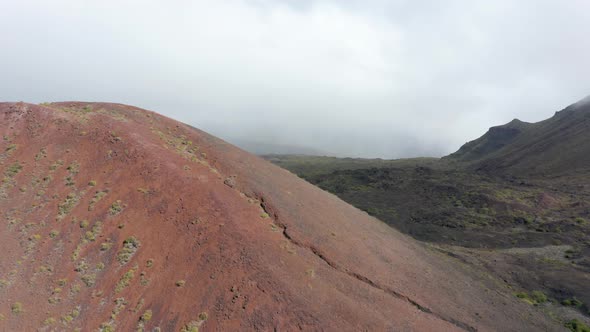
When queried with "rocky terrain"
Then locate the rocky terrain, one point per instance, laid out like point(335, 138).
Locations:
point(514, 204)
point(556, 147)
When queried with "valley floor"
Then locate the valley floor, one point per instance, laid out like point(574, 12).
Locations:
point(530, 235)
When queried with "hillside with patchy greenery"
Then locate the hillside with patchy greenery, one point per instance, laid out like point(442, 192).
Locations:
point(515, 202)
point(120, 219)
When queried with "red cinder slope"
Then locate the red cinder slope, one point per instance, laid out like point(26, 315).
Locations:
point(117, 218)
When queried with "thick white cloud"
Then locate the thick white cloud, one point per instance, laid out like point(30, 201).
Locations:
point(360, 78)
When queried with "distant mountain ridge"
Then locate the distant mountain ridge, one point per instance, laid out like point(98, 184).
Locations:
point(495, 139)
point(559, 145)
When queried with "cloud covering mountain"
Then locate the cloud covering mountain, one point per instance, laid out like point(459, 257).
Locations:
point(358, 78)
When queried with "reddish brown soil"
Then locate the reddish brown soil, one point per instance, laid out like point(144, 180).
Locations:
point(255, 247)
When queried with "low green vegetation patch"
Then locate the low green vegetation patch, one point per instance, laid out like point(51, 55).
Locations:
point(144, 319)
point(67, 205)
point(126, 279)
point(106, 246)
point(89, 279)
point(41, 154)
point(73, 169)
point(13, 170)
point(11, 147)
point(116, 208)
point(96, 229)
point(96, 198)
point(534, 298)
point(179, 143)
point(70, 316)
point(573, 302)
point(8, 180)
point(56, 165)
point(130, 246)
point(577, 326)
point(147, 316)
point(49, 321)
point(16, 308)
point(193, 326)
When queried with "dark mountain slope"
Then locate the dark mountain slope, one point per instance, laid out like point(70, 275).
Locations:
point(495, 139)
point(557, 146)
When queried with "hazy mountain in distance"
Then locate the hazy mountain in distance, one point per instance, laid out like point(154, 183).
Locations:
point(267, 148)
point(559, 145)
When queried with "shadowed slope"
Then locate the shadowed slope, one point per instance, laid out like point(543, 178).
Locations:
point(116, 217)
point(557, 146)
point(495, 139)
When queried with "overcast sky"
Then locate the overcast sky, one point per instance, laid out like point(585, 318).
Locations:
point(381, 78)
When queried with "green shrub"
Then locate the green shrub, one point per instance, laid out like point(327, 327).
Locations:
point(536, 297)
point(10, 147)
point(74, 168)
point(70, 181)
point(539, 297)
point(75, 288)
point(105, 246)
point(147, 316)
point(89, 279)
point(13, 170)
point(143, 279)
point(49, 321)
point(16, 308)
point(97, 197)
point(125, 279)
point(67, 205)
point(577, 326)
point(572, 302)
point(106, 327)
point(41, 154)
point(192, 326)
point(130, 246)
point(55, 165)
point(116, 208)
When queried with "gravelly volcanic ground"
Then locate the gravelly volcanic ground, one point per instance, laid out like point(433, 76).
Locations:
point(116, 218)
